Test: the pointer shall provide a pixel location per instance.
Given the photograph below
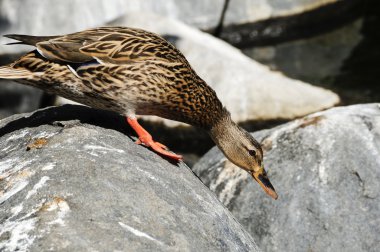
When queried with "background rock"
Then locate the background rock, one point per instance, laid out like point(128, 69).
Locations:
point(68, 184)
point(325, 168)
point(51, 17)
point(245, 11)
point(314, 60)
point(17, 98)
point(357, 81)
point(263, 22)
point(343, 60)
point(241, 21)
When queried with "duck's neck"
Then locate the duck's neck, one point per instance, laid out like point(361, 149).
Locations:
point(224, 132)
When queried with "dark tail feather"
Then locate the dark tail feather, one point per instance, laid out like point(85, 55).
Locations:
point(28, 40)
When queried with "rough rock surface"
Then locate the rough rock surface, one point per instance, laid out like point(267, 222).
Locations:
point(67, 184)
point(248, 89)
point(314, 60)
point(325, 168)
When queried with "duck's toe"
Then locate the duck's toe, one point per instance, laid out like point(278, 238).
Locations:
point(146, 139)
point(158, 147)
point(161, 149)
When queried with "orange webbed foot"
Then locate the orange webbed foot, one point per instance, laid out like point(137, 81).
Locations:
point(146, 139)
point(158, 147)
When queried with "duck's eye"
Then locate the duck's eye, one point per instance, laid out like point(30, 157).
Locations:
point(252, 153)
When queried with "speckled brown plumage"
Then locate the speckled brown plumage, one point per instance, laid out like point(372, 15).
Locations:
point(132, 71)
point(138, 71)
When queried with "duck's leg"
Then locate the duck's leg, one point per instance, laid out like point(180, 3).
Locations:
point(146, 139)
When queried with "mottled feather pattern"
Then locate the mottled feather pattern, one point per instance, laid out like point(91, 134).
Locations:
point(135, 71)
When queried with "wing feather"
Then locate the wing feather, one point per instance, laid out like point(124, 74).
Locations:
point(116, 45)
point(62, 51)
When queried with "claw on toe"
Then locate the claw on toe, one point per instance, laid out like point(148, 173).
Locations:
point(157, 147)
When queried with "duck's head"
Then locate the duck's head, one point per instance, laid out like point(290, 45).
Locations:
point(243, 150)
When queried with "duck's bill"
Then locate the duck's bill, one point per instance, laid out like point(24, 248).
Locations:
point(262, 178)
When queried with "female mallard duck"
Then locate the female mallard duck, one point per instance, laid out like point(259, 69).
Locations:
point(132, 71)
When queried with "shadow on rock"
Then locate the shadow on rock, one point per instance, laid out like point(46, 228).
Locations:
point(54, 116)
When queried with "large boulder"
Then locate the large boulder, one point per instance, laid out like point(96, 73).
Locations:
point(72, 179)
point(325, 168)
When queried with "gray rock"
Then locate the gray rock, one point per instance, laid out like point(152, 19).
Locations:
point(357, 81)
point(250, 23)
point(71, 179)
point(247, 11)
point(313, 60)
point(325, 168)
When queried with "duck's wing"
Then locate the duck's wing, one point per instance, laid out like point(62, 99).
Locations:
point(124, 45)
point(117, 45)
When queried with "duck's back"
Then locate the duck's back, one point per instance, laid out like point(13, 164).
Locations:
point(120, 69)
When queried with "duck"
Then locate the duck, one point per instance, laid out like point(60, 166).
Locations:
point(133, 72)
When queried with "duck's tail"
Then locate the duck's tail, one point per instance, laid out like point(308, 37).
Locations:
point(9, 72)
point(27, 40)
